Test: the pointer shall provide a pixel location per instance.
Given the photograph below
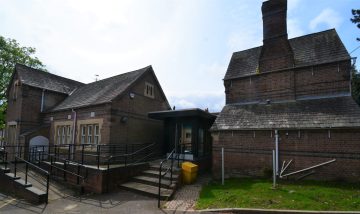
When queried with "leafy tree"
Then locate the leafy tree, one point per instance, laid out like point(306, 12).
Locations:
point(11, 53)
point(356, 18)
point(355, 84)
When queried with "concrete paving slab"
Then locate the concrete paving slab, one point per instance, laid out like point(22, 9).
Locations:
point(119, 202)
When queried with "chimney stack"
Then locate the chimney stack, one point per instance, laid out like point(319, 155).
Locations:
point(276, 52)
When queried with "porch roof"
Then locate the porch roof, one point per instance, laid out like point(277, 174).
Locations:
point(194, 112)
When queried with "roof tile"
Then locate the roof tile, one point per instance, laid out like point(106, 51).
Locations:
point(311, 49)
point(338, 112)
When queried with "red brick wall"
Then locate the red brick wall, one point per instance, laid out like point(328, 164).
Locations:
point(274, 86)
point(101, 112)
point(249, 153)
point(322, 80)
point(329, 79)
point(138, 128)
point(25, 109)
point(14, 105)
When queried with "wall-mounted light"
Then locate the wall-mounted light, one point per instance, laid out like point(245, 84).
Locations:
point(132, 95)
point(124, 119)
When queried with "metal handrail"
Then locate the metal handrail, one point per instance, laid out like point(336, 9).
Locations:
point(47, 174)
point(67, 171)
point(167, 170)
point(127, 155)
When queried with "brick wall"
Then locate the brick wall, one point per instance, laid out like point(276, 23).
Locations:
point(249, 153)
point(328, 79)
point(25, 110)
point(138, 128)
point(322, 80)
point(102, 112)
point(274, 86)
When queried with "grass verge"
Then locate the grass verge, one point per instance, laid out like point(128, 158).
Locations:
point(293, 195)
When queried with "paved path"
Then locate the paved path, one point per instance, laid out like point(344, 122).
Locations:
point(185, 198)
point(119, 202)
point(62, 201)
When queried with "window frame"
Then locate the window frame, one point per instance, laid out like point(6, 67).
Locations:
point(149, 90)
point(90, 133)
point(63, 134)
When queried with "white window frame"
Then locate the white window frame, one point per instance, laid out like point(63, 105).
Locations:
point(83, 134)
point(96, 133)
point(149, 90)
point(69, 134)
point(63, 135)
point(89, 134)
point(58, 135)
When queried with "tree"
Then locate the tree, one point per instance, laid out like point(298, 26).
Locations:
point(356, 18)
point(355, 84)
point(11, 53)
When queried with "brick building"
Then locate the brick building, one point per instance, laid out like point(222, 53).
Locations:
point(299, 88)
point(48, 108)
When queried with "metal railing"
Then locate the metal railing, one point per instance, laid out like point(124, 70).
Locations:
point(42, 171)
point(4, 158)
point(64, 170)
point(90, 154)
point(168, 169)
point(132, 158)
point(79, 155)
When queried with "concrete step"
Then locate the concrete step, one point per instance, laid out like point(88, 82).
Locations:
point(176, 170)
point(155, 174)
point(38, 196)
point(147, 190)
point(4, 170)
point(11, 175)
point(154, 181)
point(22, 182)
point(36, 190)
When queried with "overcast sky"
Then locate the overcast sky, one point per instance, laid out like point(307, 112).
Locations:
point(188, 42)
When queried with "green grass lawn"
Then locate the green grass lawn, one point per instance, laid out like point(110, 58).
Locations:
point(296, 195)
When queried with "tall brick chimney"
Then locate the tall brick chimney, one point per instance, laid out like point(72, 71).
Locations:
point(276, 52)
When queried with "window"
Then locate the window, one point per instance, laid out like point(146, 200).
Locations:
point(63, 134)
point(96, 134)
point(83, 134)
point(90, 133)
point(58, 133)
point(68, 134)
point(149, 90)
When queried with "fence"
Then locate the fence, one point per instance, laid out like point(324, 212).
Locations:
point(84, 154)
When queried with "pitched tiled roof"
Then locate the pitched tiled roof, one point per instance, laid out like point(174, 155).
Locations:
point(41, 79)
point(339, 112)
point(102, 91)
point(312, 49)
